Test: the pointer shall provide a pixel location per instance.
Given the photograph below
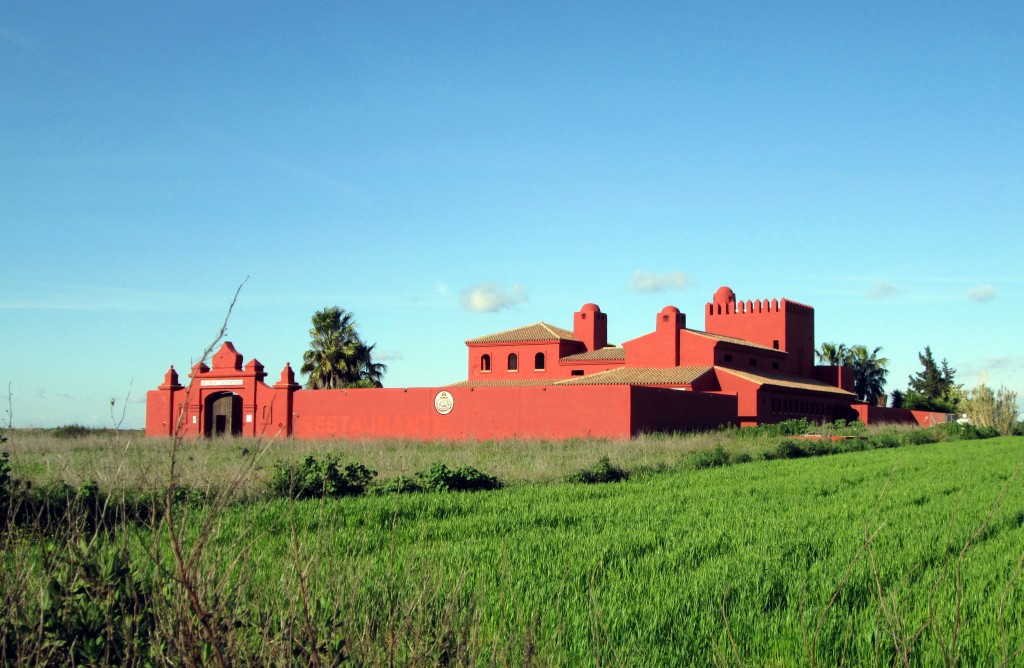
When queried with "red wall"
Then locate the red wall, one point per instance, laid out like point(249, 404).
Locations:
point(599, 411)
point(878, 415)
point(665, 409)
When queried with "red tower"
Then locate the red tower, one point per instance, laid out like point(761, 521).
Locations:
point(780, 324)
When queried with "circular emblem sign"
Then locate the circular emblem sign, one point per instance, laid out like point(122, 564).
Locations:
point(444, 403)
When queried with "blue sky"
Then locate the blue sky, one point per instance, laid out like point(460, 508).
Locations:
point(447, 170)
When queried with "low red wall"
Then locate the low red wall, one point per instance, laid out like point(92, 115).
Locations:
point(477, 413)
point(879, 415)
point(665, 409)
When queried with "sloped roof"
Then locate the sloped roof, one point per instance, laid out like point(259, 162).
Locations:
point(540, 331)
point(501, 383)
point(600, 355)
point(680, 375)
point(794, 382)
point(734, 340)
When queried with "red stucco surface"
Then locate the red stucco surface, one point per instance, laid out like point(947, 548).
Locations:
point(753, 363)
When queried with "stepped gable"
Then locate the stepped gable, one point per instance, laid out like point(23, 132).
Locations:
point(793, 382)
point(679, 375)
point(540, 331)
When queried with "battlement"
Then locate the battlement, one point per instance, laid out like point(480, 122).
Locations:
point(724, 303)
point(776, 323)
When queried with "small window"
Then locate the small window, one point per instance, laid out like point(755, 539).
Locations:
point(538, 362)
point(577, 372)
point(753, 361)
point(513, 362)
point(728, 357)
point(485, 363)
point(775, 344)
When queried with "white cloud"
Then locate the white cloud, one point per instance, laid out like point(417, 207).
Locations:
point(488, 297)
point(882, 290)
point(388, 355)
point(982, 293)
point(645, 281)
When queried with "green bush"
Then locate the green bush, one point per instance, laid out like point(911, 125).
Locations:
point(788, 449)
point(313, 479)
point(881, 441)
point(602, 471)
point(439, 478)
point(397, 485)
point(705, 459)
point(71, 431)
point(96, 610)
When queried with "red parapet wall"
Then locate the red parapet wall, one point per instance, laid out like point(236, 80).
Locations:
point(555, 413)
point(661, 409)
point(884, 415)
point(475, 413)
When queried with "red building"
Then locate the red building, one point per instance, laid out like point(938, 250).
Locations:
point(752, 363)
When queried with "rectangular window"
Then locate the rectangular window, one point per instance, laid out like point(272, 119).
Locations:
point(577, 372)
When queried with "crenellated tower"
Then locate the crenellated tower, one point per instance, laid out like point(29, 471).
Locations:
point(779, 323)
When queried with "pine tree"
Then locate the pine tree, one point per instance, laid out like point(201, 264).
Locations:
point(934, 387)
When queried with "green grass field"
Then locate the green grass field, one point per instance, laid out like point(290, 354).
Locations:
point(880, 557)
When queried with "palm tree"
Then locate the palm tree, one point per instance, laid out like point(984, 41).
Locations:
point(833, 354)
point(337, 357)
point(869, 372)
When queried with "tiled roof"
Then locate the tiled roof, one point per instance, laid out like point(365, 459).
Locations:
point(680, 375)
point(540, 331)
point(734, 340)
point(600, 355)
point(793, 382)
point(501, 383)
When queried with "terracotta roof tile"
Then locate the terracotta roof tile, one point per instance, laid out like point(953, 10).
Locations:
point(794, 382)
point(733, 339)
point(501, 383)
point(600, 355)
point(680, 375)
point(540, 331)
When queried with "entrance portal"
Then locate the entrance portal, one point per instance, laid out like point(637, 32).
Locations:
point(223, 414)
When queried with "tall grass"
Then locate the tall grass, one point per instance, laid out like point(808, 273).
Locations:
point(126, 460)
point(909, 556)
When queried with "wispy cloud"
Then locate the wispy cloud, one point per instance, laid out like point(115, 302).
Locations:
point(645, 281)
point(488, 297)
point(388, 356)
point(883, 290)
point(982, 293)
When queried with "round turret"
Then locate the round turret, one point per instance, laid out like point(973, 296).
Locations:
point(725, 295)
point(590, 308)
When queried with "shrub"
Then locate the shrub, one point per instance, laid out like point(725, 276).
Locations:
point(96, 609)
point(313, 479)
point(439, 478)
point(995, 409)
point(397, 485)
point(704, 459)
point(602, 471)
point(881, 441)
point(71, 431)
point(788, 449)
